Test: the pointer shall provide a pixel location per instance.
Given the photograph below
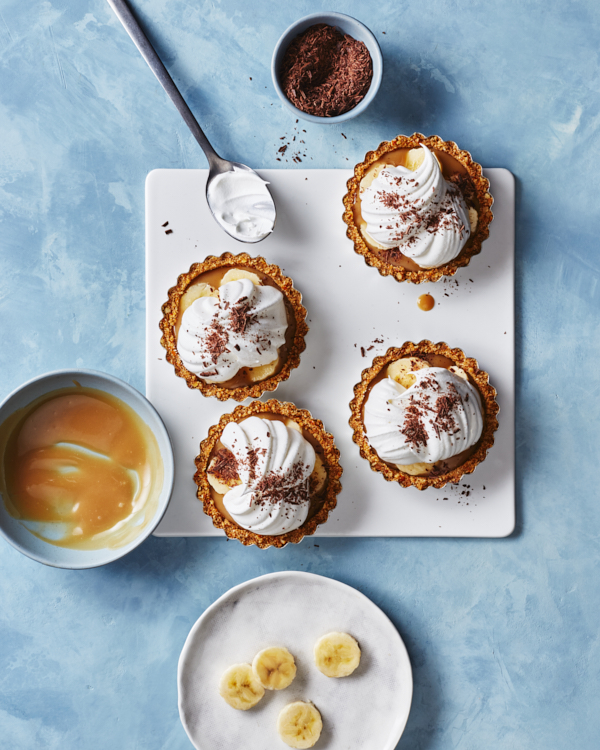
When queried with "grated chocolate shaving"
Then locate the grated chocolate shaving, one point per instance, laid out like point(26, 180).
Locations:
point(225, 465)
point(324, 72)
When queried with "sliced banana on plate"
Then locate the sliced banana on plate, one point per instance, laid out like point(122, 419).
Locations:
point(240, 688)
point(235, 274)
point(337, 654)
point(402, 370)
point(299, 724)
point(274, 668)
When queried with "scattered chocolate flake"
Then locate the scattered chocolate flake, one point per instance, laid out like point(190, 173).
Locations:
point(169, 231)
point(362, 351)
point(343, 136)
point(224, 465)
point(324, 72)
point(166, 224)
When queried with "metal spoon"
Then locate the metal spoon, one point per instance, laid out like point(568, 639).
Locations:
point(263, 206)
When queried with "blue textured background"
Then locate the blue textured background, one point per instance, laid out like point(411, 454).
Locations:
point(503, 635)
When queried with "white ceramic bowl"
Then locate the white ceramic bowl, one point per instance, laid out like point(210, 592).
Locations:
point(13, 529)
point(347, 25)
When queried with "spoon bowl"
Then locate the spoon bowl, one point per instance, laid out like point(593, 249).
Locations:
point(252, 216)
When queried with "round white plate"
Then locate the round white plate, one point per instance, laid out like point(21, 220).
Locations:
point(367, 710)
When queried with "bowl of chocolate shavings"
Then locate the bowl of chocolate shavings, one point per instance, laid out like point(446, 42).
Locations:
point(327, 67)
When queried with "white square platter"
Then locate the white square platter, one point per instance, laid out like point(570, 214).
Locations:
point(349, 306)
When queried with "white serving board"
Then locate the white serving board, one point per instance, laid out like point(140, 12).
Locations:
point(349, 305)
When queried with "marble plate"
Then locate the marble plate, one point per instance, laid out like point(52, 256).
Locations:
point(367, 710)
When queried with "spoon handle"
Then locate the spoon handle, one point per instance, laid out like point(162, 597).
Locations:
point(148, 52)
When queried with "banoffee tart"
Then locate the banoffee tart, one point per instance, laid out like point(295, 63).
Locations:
point(268, 474)
point(233, 327)
point(424, 415)
point(418, 208)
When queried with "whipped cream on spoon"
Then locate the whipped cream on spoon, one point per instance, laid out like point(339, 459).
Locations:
point(237, 196)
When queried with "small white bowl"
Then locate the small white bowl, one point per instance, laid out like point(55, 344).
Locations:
point(13, 529)
point(347, 25)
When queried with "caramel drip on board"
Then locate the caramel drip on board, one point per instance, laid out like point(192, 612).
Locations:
point(426, 302)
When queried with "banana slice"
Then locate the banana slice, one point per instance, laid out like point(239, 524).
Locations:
point(240, 688)
point(414, 159)
point(337, 654)
point(262, 372)
point(274, 668)
point(371, 175)
point(402, 370)
point(473, 218)
point(293, 425)
point(455, 370)
point(299, 724)
point(235, 274)
point(219, 483)
point(195, 292)
point(415, 470)
point(318, 476)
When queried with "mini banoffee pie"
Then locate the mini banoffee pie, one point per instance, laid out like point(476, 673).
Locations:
point(268, 474)
point(424, 415)
point(233, 326)
point(418, 208)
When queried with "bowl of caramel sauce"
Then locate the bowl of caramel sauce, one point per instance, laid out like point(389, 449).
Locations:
point(86, 468)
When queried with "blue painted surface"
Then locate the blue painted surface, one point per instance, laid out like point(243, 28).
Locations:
point(503, 635)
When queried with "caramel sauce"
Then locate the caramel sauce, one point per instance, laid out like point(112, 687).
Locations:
point(397, 158)
point(315, 502)
point(80, 469)
point(426, 302)
point(435, 360)
point(214, 278)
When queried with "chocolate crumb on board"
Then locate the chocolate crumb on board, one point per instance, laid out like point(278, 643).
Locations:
point(168, 231)
point(324, 72)
point(166, 224)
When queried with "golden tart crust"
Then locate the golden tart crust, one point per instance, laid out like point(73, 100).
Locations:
point(473, 246)
point(478, 378)
point(331, 458)
point(170, 310)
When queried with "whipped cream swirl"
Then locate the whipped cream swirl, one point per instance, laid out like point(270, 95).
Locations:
point(242, 204)
point(274, 463)
point(243, 327)
point(418, 212)
point(439, 416)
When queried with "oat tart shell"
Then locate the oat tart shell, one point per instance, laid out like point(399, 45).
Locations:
point(478, 378)
point(293, 300)
point(331, 458)
point(484, 201)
